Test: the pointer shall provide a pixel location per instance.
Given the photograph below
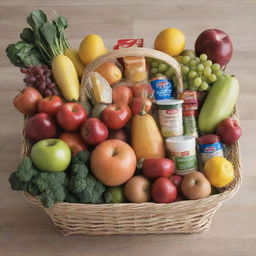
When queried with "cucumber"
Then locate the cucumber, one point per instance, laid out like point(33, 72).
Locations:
point(219, 103)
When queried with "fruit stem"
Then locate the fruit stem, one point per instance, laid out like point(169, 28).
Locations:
point(143, 111)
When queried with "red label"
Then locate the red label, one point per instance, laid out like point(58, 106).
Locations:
point(185, 153)
point(190, 97)
point(209, 149)
point(127, 43)
point(172, 111)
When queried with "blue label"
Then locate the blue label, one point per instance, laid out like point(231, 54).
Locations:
point(209, 148)
point(163, 89)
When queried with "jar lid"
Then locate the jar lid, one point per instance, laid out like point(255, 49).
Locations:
point(169, 102)
point(181, 143)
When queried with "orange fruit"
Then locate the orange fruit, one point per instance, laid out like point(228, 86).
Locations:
point(170, 41)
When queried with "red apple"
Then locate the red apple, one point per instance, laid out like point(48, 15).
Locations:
point(71, 116)
point(74, 140)
point(40, 126)
point(163, 191)
point(138, 103)
point(118, 135)
point(122, 94)
point(153, 168)
point(216, 44)
point(27, 101)
point(142, 90)
point(229, 131)
point(50, 105)
point(94, 131)
point(176, 180)
point(116, 116)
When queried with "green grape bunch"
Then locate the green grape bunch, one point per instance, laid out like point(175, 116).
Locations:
point(159, 68)
point(198, 73)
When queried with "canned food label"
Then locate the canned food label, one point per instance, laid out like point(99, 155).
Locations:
point(210, 150)
point(171, 122)
point(185, 162)
point(163, 89)
point(190, 97)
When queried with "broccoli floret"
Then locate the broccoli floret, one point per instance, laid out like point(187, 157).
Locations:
point(81, 157)
point(93, 191)
point(49, 186)
point(76, 183)
point(71, 198)
point(33, 189)
point(20, 179)
point(82, 184)
point(47, 199)
point(26, 171)
point(16, 184)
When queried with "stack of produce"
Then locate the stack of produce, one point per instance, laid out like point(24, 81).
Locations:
point(111, 149)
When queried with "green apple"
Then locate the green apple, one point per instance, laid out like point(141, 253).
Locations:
point(117, 194)
point(51, 155)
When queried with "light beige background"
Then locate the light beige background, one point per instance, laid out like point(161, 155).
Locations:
point(25, 229)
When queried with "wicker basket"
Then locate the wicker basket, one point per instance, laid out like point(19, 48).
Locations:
point(188, 216)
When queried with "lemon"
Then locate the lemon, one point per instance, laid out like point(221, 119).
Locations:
point(219, 171)
point(90, 48)
point(170, 41)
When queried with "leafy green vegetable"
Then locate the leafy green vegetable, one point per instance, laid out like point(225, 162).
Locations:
point(27, 35)
point(24, 54)
point(40, 43)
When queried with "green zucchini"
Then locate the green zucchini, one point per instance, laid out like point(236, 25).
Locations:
point(219, 103)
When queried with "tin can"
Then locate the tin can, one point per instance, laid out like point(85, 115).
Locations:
point(170, 117)
point(163, 88)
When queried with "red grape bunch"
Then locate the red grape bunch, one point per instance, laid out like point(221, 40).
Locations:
point(40, 77)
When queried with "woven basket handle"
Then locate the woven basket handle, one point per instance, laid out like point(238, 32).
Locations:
point(147, 52)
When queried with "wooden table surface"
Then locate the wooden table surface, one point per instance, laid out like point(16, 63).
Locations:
point(25, 229)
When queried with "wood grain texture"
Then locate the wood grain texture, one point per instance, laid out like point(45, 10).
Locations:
point(25, 229)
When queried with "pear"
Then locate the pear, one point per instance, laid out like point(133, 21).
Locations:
point(90, 48)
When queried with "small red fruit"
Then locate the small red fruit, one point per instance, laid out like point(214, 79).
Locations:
point(71, 116)
point(94, 131)
point(50, 105)
point(122, 94)
point(118, 135)
point(116, 116)
point(40, 126)
point(176, 180)
point(138, 103)
point(158, 167)
point(163, 191)
point(74, 140)
point(27, 101)
point(229, 131)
